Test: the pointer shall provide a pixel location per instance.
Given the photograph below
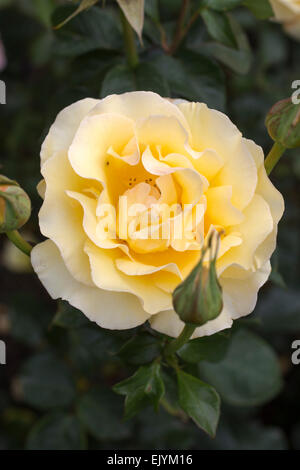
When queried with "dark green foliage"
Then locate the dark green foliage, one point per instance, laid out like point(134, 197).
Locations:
point(56, 431)
point(248, 375)
point(144, 387)
point(200, 401)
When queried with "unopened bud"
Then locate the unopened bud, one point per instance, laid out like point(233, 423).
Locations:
point(283, 123)
point(198, 299)
point(15, 205)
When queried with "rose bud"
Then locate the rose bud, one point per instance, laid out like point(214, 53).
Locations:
point(15, 205)
point(198, 299)
point(283, 123)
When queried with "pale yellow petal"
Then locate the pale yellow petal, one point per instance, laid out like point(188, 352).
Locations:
point(136, 268)
point(211, 129)
point(255, 228)
point(106, 276)
point(229, 241)
point(265, 187)
point(165, 132)
point(170, 324)
point(208, 163)
point(240, 294)
point(109, 310)
point(88, 153)
point(63, 129)
point(139, 105)
point(167, 190)
point(154, 166)
point(191, 183)
point(91, 224)
point(60, 217)
point(220, 210)
point(271, 195)
point(239, 172)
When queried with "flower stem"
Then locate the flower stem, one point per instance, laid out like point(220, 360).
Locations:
point(19, 242)
point(129, 41)
point(172, 410)
point(274, 156)
point(177, 343)
point(179, 27)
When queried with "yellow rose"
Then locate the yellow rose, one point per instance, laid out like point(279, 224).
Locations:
point(151, 153)
point(287, 12)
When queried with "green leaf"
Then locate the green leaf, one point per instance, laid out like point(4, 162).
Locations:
point(94, 29)
point(134, 12)
point(279, 311)
point(272, 46)
point(28, 325)
point(260, 8)
point(69, 317)
point(121, 78)
point(118, 79)
point(200, 401)
point(209, 348)
point(100, 412)
point(46, 382)
point(91, 345)
point(219, 27)
point(249, 375)
point(140, 349)
point(84, 4)
point(144, 386)
point(152, 9)
point(238, 59)
point(222, 5)
point(56, 431)
point(194, 77)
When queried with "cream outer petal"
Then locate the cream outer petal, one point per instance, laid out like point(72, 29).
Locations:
point(115, 310)
point(139, 105)
point(63, 129)
point(212, 129)
point(240, 295)
point(170, 324)
point(59, 217)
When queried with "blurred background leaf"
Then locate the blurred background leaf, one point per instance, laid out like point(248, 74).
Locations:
point(249, 374)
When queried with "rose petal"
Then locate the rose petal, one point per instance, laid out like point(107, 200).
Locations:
point(220, 210)
point(63, 129)
point(106, 276)
point(139, 105)
point(60, 218)
point(114, 311)
point(240, 294)
point(255, 228)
